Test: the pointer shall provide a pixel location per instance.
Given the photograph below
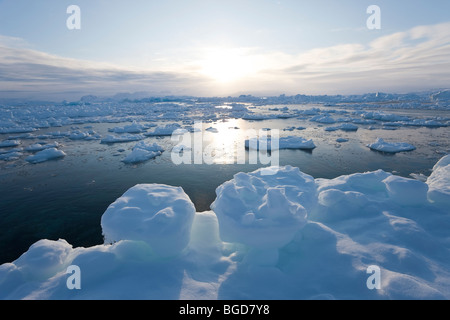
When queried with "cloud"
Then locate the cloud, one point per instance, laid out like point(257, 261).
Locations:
point(26, 73)
point(416, 59)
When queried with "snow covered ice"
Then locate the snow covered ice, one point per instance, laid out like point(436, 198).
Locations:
point(46, 155)
point(391, 147)
point(143, 151)
point(318, 245)
point(290, 142)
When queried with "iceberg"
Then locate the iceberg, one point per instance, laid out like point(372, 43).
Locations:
point(390, 147)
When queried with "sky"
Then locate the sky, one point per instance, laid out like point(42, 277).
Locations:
point(221, 48)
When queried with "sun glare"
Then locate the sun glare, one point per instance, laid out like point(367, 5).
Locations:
point(226, 65)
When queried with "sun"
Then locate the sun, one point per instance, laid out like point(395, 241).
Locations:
point(226, 65)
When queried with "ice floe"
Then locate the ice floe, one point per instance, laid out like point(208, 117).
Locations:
point(391, 147)
point(46, 155)
point(143, 151)
point(290, 142)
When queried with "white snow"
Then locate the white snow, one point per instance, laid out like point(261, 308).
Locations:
point(143, 151)
point(285, 236)
point(46, 155)
point(290, 142)
point(391, 147)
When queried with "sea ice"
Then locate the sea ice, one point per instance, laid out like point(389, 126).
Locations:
point(9, 143)
point(285, 236)
point(46, 155)
point(122, 138)
point(135, 127)
point(167, 130)
point(439, 182)
point(143, 152)
point(290, 142)
point(391, 147)
point(41, 146)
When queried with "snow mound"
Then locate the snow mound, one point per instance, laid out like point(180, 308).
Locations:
point(283, 143)
point(391, 147)
point(251, 206)
point(46, 155)
point(143, 152)
point(157, 214)
point(323, 119)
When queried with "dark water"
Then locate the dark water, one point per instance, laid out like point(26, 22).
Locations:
point(66, 198)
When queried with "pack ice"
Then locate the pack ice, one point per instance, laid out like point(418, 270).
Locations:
point(280, 236)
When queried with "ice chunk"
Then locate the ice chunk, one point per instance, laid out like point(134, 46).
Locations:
point(143, 152)
point(9, 143)
point(122, 138)
point(168, 130)
point(251, 206)
point(158, 214)
point(41, 146)
point(43, 259)
point(135, 127)
point(391, 147)
point(46, 155)
point(80, 135)
point(283, 143)
point(323, 119)
point(10, 156)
